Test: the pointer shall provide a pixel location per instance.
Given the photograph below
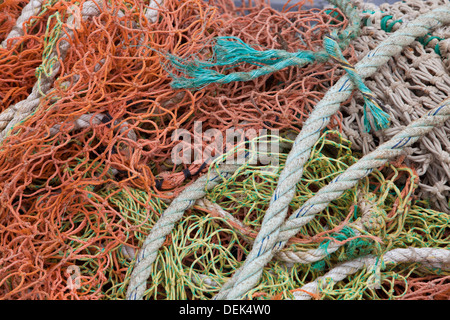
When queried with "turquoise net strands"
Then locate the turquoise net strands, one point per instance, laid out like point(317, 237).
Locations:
point(230, 52)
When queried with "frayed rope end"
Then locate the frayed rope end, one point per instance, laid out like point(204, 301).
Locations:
point(380, 118)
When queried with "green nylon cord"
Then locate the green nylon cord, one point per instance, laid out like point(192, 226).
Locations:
point(388, 28)
point(203, 251)
point(52, 35)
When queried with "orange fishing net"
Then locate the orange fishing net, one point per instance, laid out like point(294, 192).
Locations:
point(19, 63)
point(426, 288)
point(106, 128)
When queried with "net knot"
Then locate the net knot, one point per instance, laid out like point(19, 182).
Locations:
point(444, 157)
point(439, 189)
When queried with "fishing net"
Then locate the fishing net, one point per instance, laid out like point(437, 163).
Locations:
point(19, 63)
point(408, 86)
point(87, 169)
point(105, 131)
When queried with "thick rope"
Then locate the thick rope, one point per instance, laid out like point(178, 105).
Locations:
point(377, 158)
point(147, 254)
point(296, 256)
point(430, 257)
point(349, 178)
point(318, 119)
point(368, 219)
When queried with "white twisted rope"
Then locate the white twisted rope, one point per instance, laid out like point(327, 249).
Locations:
point(31, 9)
point(21, 110)
point(367, 220)
point(147, 254)
point(269, 238)
point(377, 158)
point(295, 256)
point(349, 178)
point(430, 257)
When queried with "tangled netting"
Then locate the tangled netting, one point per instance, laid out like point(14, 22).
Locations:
point(408, 85)
point(89, 123)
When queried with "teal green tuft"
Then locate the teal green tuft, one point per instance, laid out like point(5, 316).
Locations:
point(353, 248)
point(342, 235)
point(232, 51)
point(381, 118)
point(385, 26)
point(318, 265)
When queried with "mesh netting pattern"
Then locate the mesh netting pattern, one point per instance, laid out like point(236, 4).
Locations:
point(104, 130)
point(408, 86)
point(85, 175)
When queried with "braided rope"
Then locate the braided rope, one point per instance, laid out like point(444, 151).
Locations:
point(431, 257)
point(248, 275)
